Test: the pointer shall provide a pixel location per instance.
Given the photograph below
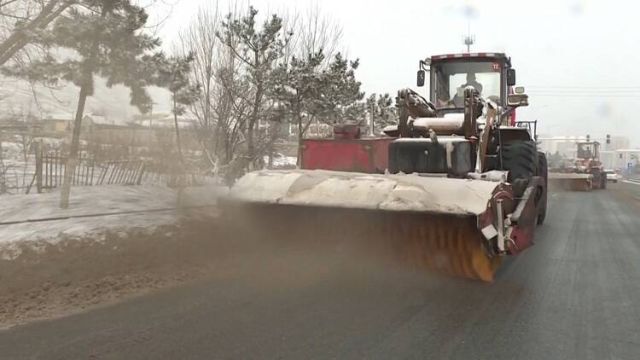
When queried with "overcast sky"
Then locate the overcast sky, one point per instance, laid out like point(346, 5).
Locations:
point(577, 59)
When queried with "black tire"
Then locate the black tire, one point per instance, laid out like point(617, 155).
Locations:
point(521, 160)
point(543, 171)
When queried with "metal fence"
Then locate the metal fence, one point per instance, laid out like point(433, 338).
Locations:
point(44, 169)
point(51, 168)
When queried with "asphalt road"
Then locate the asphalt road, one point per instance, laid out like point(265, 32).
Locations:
point(574, 295)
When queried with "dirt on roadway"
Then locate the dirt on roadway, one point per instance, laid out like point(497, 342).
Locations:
point(49, 280)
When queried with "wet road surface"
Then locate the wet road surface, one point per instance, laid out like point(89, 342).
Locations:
point(575, 294)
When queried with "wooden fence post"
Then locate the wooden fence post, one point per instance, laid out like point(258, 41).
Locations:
point(140, 173)
point(93, 166)
point(38, 148)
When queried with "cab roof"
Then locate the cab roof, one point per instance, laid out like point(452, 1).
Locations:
point(483, 55)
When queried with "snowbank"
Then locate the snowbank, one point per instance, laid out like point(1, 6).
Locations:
point(93, 211)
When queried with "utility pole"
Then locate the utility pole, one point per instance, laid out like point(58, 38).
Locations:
point(469, 39)
point(373, 115)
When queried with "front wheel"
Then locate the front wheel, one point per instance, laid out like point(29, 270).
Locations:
point(521, 160)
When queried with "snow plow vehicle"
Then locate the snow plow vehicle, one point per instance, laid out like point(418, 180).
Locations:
point(585, 173)
point(454, 186)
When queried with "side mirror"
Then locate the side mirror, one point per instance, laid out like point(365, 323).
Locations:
point(511, 77)
point(422, 75)
point(518, 100)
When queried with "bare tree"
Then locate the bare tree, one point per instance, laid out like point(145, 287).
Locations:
point(222, 108)
point(317, 32)
point(200, 40)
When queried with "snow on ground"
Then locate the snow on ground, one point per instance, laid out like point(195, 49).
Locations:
point(282, 161)
point(11, 150)
point(16, 173)
point(38, 217)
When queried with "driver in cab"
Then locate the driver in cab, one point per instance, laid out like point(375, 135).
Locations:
point(458, 99)
point(471, 81)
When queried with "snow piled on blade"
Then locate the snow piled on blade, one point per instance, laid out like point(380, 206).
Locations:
point(364, 191)
point(563, 176)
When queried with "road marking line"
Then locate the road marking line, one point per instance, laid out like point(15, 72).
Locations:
point(634, 182)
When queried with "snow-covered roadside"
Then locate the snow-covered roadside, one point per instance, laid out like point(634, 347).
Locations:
point(112, 242)
point(94, 211)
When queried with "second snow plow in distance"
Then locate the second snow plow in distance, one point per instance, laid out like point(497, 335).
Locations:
point(584, 173)
point(465, 183)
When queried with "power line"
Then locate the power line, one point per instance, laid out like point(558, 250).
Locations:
point(625, 96)
point(594, 87)
point(584, 92)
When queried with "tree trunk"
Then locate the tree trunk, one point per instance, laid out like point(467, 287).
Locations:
point(253, 120)
point(300, 137)
point(250, 146)
point(175, 120)
point(253, 123)
point(85, 91)
point(72, 159)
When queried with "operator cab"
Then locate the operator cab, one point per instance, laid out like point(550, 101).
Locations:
point(490, 74)
point(588, 150)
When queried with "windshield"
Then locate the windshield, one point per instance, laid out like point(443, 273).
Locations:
point(452, 77)
point(587, 151)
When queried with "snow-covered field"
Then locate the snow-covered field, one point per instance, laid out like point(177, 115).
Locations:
point(93, 211)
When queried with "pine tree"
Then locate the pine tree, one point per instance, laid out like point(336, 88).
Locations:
point(382, 110)
point(307, 92)
point(104, 38)
point(299, 92)
point(259, 49)
point(341, 92)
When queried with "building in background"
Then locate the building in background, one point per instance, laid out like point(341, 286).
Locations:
point(617, 143)
point(626, 159)
point(57, 124)
point(565, 145)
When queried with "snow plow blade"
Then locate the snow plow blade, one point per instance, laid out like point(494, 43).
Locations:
point(429, 222)
point(571, 181)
